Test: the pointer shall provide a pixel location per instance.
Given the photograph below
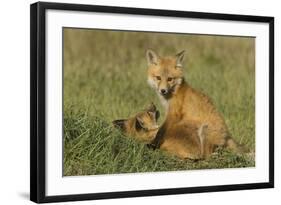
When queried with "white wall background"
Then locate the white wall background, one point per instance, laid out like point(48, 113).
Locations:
point(14, 100)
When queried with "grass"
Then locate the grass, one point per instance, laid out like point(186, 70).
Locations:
point(105, 79)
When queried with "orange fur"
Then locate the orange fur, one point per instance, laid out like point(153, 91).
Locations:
point(142, 126)
point(186, 108)
point(187, 141)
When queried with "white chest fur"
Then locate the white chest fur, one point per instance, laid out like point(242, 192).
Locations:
point(164, 102)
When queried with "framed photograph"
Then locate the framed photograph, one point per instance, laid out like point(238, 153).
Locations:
point(129, 102)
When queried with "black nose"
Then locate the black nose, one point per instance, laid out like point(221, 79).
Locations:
point(163, 91)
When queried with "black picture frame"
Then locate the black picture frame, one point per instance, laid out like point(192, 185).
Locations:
point(38, 100)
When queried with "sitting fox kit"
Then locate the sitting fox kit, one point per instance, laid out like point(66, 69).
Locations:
point(188, 141)
point(187, 110)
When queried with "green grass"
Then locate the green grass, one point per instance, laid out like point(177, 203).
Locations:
point(105, 79)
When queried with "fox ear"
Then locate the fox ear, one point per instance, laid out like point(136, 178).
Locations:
point(152, 107)
point(139, 124)
point(120, 124)
point(151, 57)
point(153, 111)
point(179, 58)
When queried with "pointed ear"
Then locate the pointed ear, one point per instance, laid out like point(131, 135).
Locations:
point(120, 124)
point(151, 57)
point(139, 124)
point(151, 108)
point(153, 111)
point(180, 57)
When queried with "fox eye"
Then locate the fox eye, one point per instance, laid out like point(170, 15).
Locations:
point(158, 77)
point(169, 79)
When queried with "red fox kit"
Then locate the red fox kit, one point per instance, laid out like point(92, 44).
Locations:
point(143, 126)
point(186, 108)
point(187, 141)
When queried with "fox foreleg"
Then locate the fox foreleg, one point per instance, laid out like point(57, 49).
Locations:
point(157, 141)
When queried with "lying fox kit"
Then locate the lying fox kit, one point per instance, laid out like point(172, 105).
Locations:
point(187, 142)
point(187, 109)
point(143, 126)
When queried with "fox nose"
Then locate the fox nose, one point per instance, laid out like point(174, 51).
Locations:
point(163, 91)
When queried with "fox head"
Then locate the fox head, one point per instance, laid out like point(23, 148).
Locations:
point(142, 126)
point(165, 74)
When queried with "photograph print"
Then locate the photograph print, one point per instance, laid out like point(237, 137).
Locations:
point(136, 101)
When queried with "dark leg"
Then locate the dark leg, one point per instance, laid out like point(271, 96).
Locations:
point(157, 141)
